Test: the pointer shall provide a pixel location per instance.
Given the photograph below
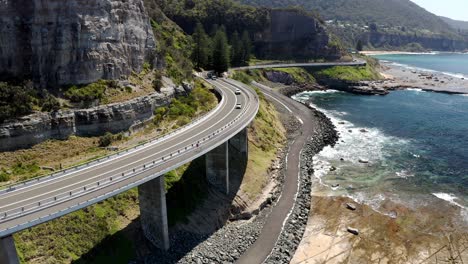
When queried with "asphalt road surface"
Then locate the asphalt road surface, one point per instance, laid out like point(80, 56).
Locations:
point(47, 198)
point(265, 243)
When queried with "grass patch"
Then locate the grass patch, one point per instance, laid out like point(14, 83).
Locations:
point(65, 239)
point(266, 135)
point(247, 76)
point(299, 75)
point(366, 73)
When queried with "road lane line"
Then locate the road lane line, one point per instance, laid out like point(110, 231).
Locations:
point(81, 194)
point(108, 172)
point(136, 150)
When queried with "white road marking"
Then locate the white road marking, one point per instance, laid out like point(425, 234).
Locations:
point(100, 175)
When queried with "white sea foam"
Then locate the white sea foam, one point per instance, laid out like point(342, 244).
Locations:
point(405, 174)
point(413, 68)
point(449, 198)
point(360, 143)
point(452, 199)
point(415, 89)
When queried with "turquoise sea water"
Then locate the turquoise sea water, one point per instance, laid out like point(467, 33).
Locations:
point(455, 64)
point(410, 147)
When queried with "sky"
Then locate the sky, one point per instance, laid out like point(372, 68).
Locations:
point(455, 9)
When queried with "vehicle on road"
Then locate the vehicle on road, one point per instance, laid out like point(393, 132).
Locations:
point(238, 106)
point(238, 91)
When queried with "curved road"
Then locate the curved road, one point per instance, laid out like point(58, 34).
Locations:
point(273, 227)
point(40, 200)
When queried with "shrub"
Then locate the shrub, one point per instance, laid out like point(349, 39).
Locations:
point(4, 177)
point(87, 93)
point(106, 140)
point(159, 114)
point(50, 104)
point(14, 101)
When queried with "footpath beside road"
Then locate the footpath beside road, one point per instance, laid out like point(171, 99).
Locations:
point(273, 227)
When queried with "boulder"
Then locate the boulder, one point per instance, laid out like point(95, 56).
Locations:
point(351, 206)
point(353, 231)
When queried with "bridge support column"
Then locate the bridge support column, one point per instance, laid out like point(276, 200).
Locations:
point(217, 167)
point(240, 142)
point(153, 212)
point(8, 253)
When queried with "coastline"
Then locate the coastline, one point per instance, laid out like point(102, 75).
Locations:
point(392, 232)
point(404, 77)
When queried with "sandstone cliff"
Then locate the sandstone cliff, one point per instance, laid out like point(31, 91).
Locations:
point(385, 40)
point(56, 42)
point(294, 34)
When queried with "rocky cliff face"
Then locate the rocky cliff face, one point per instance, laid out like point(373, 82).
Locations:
point(378, 40)
point(36, 128)
point(292, 34)
point(57, 42)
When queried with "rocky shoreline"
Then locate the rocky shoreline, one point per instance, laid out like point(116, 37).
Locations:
point(400, 77)
point(228, 243)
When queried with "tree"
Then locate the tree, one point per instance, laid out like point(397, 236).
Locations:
point(14, 101)
point(220, 52)
point(246, 48)
point(359, 46)
point(236, 50)
point(200, 48)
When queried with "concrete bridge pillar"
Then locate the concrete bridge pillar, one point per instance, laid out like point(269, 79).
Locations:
point(8, 253)
point(217, 167)
point(153, 212)
point(240, 142)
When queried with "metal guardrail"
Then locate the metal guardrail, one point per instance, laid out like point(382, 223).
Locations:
point(101, 184)
point(62, 173)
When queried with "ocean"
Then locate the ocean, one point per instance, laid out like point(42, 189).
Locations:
point(454, 64)
point(409, 147)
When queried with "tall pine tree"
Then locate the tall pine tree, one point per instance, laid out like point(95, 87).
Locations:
point(359, 45)
point(236, 50)
point(220, 52)
point(201, 47)
point(246, 48)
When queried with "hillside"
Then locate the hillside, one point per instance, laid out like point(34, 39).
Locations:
point(456, 24)
point(276, 34)
point(385, 12)
point(380, 24)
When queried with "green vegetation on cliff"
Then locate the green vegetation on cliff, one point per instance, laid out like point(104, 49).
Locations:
point(70, 237)
point(210, 13)
point(174, 46)
point(402, 13)
point(15, 101)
